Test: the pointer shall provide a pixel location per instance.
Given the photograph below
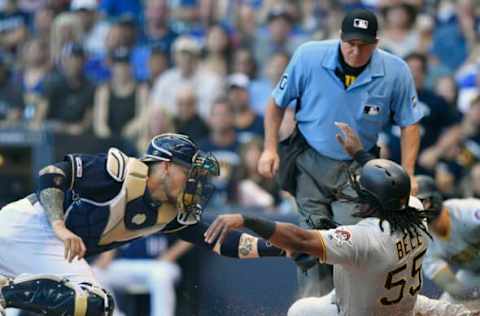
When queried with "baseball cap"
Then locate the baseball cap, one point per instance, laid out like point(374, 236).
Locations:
point(238, 80)
point(89, 5)
point(187, 44)
point(360, 24)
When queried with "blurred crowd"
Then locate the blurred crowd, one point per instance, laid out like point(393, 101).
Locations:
point(206, 68)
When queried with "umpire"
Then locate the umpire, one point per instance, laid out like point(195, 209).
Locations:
point(348, 80)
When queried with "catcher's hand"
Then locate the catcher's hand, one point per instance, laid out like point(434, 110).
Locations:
point(221, 226)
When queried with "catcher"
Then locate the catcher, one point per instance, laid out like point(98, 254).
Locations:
point(88, 204)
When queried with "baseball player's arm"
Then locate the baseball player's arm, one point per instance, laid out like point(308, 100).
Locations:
point(236, 244)
point(447, 280)
point(54, 180)
point(410, 143)
point(269, 160)
point(283, 235)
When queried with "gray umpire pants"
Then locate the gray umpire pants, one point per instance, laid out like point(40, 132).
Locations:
point(319, 179)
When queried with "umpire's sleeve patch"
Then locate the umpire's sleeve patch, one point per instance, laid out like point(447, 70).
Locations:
point(283, 82)
point(117, 164)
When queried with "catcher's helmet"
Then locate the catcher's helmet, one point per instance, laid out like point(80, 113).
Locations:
point(176, 148)
point(384, 183)
point(427, 190)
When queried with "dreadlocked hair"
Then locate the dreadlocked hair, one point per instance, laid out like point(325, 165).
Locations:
point(408, 220)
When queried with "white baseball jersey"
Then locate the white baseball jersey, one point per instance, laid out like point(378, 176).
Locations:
point(461, 247)
point(375, 272)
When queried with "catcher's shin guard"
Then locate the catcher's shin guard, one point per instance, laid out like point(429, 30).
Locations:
point(53, 296)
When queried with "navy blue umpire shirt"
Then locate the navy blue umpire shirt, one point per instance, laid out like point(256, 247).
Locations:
point(384, 91)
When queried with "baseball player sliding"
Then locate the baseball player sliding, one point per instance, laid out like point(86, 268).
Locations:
point(377, 262)
point(88, 204)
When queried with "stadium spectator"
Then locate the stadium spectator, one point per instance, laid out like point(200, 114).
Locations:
point(157, 28)
point(187, 121)
point(244, 62)
point(69, 94)
point(94, 29)
point(245, 26)
point(13, 27)
point(43, 23)
point(280, 36)
point(66, 29)
point(446, 87)
point(218, 51)
point(157, 64)
point(400, 36)
point(223, 143)
point(261, 88)
point(120, 104)
point(32, 78)
point(247, 123)
point(207, 85)
point(11, 100)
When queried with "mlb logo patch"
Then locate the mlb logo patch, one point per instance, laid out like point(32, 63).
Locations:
point(371, 109)
point(360, 24)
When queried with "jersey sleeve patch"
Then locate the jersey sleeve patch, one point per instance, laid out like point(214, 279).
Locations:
point(117, 164)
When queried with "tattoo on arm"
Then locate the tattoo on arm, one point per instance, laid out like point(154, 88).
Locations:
point(246, 245)
point(52, 201)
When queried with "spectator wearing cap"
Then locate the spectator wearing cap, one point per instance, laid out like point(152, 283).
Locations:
point(247, 123)
point(279, 35)
point(349, 81)
point(68, 97)
point(94, 30)
point(208, 85)
point(187, 121)
point(120, 104)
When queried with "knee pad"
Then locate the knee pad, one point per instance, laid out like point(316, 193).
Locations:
point(51, 295)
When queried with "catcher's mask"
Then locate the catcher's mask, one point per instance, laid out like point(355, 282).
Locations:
point(197, 190)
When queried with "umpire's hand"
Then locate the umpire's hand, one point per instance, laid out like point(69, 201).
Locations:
point(268, 163)
point(74, 246)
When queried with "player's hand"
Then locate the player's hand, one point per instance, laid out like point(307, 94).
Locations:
point(348, 139)
point(269, 163)
point(74, 246)
point(221, 226)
